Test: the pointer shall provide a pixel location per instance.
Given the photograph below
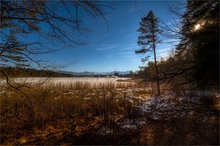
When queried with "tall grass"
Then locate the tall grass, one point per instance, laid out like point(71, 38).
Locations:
point(79, 104)
point(81, 112)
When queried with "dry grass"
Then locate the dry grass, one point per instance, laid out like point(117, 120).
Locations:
point(75, 113)
point(187, 131)
point(81, 106)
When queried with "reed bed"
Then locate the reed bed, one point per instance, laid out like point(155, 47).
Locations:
point(85, 112)
point(79, 104)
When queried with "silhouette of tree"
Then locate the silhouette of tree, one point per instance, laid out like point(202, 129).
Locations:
point(200, 40)
point(55, 22)
point(33, 27)
point(195, 61)
point(148, 39)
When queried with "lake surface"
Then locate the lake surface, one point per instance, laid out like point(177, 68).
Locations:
point(65, 80)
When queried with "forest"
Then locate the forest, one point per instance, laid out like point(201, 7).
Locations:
point(30, 72)
point(168, 101)
point(195, 60)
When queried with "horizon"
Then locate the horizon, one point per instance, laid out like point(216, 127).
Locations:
point(96, 72)
point(112, 44)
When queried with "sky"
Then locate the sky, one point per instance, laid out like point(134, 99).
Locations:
point(111, 46)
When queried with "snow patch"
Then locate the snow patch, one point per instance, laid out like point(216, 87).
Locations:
point(128, 126)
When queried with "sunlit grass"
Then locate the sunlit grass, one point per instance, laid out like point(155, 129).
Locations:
point(76, 104)
point(90, 113)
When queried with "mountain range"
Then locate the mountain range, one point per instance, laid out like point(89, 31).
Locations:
point(86, 73)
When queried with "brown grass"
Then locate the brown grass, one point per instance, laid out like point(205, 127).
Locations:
point(75, 113)
point(77, 105)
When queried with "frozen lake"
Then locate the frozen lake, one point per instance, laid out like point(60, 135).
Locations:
point(65, 80)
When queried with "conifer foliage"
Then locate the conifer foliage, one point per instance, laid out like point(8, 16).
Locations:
point(195, 60)
point(148, 39)
point(200, 41)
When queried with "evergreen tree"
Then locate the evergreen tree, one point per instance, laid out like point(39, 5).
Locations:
point(148, 39)
point(199, 45)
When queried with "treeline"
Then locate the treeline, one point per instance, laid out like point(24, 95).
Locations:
point(30, 72)
point(195, 60)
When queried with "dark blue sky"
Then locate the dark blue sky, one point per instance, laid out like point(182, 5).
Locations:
point(111, 47)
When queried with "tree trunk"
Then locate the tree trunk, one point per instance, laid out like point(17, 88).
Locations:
point(155, 61)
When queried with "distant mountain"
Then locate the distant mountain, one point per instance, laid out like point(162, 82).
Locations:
point(86, 73)
point(30, 72)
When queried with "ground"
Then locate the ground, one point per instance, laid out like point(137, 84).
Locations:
point(113, 116)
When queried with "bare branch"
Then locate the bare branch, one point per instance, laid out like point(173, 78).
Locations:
point(14, 87)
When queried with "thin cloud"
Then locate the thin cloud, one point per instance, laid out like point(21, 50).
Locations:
point(125, 53)
point(129, 48)
point(129, 56)
point(104, 48)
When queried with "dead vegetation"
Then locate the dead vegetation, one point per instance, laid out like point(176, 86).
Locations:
point(103, 114)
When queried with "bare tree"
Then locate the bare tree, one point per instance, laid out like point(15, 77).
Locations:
point(55, 22)
point(33, 27)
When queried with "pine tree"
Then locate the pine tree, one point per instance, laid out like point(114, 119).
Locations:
point(148, 39)
point(200, 42)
